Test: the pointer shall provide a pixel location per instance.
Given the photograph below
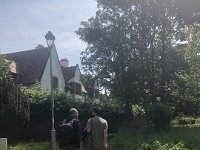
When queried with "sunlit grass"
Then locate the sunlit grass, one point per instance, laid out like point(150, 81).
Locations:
point(130, 139)
point(32, 146)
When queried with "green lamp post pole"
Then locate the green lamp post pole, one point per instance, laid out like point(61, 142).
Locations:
point(50, 38)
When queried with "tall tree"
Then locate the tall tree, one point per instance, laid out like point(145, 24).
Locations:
point(192, 55)
point(131, 42)
point(4, 67)
point(14, 108)
point(188, 91)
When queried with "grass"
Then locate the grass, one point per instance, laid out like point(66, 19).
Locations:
point(32, 146)
point(131, 139)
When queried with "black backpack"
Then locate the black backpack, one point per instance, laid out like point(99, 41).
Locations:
point(66, 133)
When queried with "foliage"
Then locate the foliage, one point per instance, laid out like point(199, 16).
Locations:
point(35, 93)
point(138, 110)
point(111, 111)
point(188, 93)
point(14, 110)
point(184, 120)
point(33, 146)
point(160, 115)
point(130, 49)
point(192, 55)
point(4, 67)
point(189, 107)
point(156, 145)
point(88, 82)
point(188, 11)
point(132, 139)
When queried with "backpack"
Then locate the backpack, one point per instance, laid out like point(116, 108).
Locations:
point(66, 133)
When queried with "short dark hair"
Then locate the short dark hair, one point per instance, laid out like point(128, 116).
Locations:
point(97, 110)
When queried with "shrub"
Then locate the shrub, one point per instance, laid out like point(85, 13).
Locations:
point(185, 121)
point(14, 110)
point(40, 125)
point(156, 145)
point(4, 67)
point(189, 107)
point(160, 116)
point(137, 110)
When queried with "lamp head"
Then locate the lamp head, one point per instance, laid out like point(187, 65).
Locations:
point(50, 38)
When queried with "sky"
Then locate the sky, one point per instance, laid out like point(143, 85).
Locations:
point(24, 23)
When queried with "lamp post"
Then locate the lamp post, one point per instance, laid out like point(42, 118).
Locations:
point(50, 38)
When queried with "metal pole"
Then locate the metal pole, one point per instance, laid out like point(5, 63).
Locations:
point(53, 131)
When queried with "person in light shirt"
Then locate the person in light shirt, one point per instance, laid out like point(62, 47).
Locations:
point(98, 128)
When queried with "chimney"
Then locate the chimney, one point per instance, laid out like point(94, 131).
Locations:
point(64, 62)
point(39, 46)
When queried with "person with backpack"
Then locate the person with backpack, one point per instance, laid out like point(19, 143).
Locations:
point(97, 127)
point(69, 132)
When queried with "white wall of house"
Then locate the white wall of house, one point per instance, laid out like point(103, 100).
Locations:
point(77, 77)
point(56, 72)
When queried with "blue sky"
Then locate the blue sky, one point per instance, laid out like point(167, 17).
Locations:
point(24, 23)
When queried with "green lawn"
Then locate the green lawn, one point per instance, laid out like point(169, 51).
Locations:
point(130, 139)
point(32, 146)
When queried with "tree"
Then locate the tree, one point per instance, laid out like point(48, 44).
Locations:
point(131, 42)
point(189, 90)
point(14, 108)
point(188, 11)
point(4, 67)
point(192, 55)
point(88, 82)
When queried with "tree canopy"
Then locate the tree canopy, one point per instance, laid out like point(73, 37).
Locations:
point(4, 67)
point(132, 48)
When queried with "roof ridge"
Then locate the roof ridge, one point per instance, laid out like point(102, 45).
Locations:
point(28, 50)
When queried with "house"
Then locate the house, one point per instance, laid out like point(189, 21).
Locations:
point(42, 63)
point(72, 76)
point(34, 65)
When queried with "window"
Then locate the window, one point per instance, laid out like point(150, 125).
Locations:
point(55, 83)
point(72, 88)
point(75, 88)
point(78, 89)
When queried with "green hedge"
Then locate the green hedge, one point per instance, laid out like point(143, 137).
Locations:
point(14, 110)
point(40, 122)
point(156, 145)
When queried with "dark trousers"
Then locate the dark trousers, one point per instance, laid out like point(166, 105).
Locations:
point(68, 147)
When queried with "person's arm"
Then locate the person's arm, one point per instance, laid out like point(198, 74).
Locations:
point(88, 126)
point(105, 135)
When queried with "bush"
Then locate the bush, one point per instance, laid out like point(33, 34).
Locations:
point(189, 107)
point(40, 125)
point(156, 145)
point(184, 120)
point(132, 139)
point(14, 110)
point(160, 116)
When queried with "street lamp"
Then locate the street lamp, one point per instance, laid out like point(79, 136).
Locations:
point(50, 38)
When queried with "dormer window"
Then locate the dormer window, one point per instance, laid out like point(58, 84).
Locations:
point(75, 88)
